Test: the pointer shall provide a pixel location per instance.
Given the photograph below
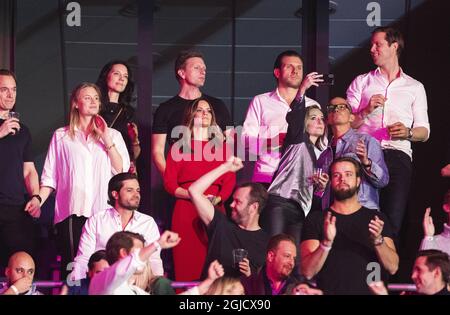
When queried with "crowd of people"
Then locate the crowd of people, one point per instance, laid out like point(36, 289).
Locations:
point(322, 214)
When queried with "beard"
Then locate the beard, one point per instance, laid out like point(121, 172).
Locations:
point(128, 206)
point(344, 194)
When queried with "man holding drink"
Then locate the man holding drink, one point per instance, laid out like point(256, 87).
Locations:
point(17, 172)
point(392, 107)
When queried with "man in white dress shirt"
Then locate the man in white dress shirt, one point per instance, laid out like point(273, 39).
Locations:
point(124, 196)
point(265, 125)
point(127, 256)
point(391, 106)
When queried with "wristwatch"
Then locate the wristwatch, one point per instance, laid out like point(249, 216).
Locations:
point(410, 134)
point(369, 165)
point(379, 241)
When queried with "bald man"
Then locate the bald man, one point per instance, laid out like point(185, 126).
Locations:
point(20, 274)
point(346, 142)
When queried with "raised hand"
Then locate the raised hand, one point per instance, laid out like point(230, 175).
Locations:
point(244, 267)
point(215, 270)
point(329, 229)
point(428, 226)
point(361, 152)
point(132, 132)
point(169, 239)
point(23, 284)
point(375, 228)
point(313, 78)
point(234, 164)
point(376, 101)
point(321, 181)
point(9, 126)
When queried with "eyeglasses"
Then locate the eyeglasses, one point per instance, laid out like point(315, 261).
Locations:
point(336, 108)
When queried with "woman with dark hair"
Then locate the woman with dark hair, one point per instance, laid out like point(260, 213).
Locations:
point(294, 183)
point(200, 150)
point(117, 86)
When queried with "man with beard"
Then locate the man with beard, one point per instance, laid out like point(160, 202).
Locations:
point(242, 231)
point(362, 147)
point(276, 278)
point(124, 196)
point(265, 125)
point(348, 246)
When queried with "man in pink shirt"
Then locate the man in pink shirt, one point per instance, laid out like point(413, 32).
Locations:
point(391, 106)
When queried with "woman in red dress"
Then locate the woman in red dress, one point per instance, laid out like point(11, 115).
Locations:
point(200, 150)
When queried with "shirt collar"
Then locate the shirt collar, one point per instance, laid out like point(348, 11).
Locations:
point(377, 72)
point(276, 94)
point(346, 136)
point(115, 213)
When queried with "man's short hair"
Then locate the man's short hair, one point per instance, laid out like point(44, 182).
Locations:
point(437, 258)
point(116, 183)
point(277, 239)
point(181, 60)
point(392, 36)
point(286, 53)
point(351, 160)
point(257, 194)
point(8, 73)
point(96, 257)
point(118, 241)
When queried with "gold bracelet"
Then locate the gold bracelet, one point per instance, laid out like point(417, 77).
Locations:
point(136, 144)
point(110, 147)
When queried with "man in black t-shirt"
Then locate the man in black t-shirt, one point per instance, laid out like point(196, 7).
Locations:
point(190, 71)
point(242, 231)
point(349, 246)
point(17, 175)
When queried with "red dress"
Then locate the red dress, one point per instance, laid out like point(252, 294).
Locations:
point(182, 169)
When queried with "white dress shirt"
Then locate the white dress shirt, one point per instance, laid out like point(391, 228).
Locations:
point(406, 103)
point(100, 227)
point(266, 118)
point(115, 279)
point(79, 170)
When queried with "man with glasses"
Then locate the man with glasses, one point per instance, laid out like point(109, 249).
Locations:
point(346, 142)
point(19, 275)
point(392, 107)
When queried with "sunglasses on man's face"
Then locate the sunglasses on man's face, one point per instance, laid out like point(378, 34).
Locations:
point(336, 108)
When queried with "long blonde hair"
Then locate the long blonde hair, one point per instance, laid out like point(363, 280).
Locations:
point(74, 116)
point(220, 285)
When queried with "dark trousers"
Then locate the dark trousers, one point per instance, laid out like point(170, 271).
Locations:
point(394, 197)
point(67, 240)
point(282, 215)
point(17, 232)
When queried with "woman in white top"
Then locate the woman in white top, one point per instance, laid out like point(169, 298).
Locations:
point(81, 159)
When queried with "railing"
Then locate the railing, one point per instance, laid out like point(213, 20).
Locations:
point(395, 287)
